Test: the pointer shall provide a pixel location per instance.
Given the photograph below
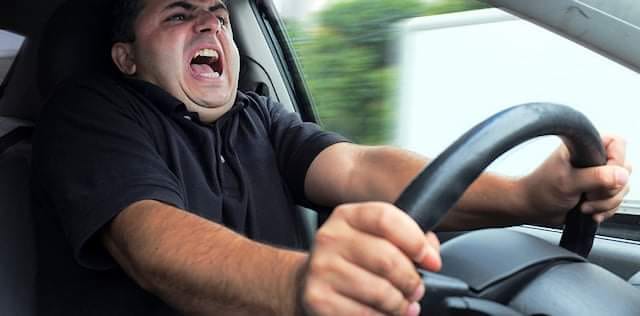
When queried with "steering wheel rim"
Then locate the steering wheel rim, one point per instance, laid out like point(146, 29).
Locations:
point(439, 186)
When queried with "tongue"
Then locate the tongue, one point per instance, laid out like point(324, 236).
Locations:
point(200, 69)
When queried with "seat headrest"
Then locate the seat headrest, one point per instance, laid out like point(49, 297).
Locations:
point(76, 41)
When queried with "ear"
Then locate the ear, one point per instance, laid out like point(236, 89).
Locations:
point(122, 55)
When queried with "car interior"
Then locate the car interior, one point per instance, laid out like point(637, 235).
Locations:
point(66, 39)
point(69, 38)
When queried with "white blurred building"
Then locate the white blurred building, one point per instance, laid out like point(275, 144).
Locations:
point(298, 9)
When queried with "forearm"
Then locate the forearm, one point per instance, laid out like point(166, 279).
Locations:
point(490, 201)
point(347, 173)
point(200, 267)
point(382, 173)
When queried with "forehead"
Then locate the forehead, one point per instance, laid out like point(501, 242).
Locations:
point(161, 4)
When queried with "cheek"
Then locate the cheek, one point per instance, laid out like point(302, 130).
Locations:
point(236, 58)
point(233, 54)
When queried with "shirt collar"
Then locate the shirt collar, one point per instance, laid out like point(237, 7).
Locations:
point(158, 96)
point(170, 104)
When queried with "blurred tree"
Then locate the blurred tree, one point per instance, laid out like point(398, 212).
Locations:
point(368, 23)
point(345, 61)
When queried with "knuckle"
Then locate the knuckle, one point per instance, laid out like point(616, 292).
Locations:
point(319, 266)
point(387, 266)
point(605, 178)
point(343, 211)
point(325, 237)
point(314, 296)
point(381, 292)
point(392, 266)
point(386, 262)
point(385, 216)
point(387, 298)
point(340, 209)
point(411, 284)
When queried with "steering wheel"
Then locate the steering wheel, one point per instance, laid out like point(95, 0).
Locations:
point(533, 266)
point(437, 188)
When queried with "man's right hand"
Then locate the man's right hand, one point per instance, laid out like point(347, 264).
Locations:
point(363, 260)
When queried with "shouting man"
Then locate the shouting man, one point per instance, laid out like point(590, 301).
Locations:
point(165, 191)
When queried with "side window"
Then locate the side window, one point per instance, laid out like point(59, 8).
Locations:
point(456, 70)
point(9, 45)
point(418, 74)
point(346, 50)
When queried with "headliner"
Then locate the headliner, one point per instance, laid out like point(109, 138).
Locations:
point(26, 17)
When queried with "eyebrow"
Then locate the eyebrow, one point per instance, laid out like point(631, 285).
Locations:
point(188, 6)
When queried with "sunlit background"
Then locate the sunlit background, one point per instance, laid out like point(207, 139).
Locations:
point(347, 57)
point(402, 72)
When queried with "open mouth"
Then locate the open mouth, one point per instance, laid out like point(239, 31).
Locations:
point(206, 63)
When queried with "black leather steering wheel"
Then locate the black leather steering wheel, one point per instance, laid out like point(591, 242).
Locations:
point(437, 188)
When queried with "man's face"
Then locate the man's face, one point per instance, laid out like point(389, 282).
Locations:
point(187, 48)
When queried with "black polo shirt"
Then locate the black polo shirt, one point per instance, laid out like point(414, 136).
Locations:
point(103, 144)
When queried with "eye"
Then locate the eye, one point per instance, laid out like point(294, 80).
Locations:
point(177, 17)
point(222, 20)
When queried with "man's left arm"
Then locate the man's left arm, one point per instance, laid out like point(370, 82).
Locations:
point(347, 173)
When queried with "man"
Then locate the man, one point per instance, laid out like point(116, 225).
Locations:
point(148, 184)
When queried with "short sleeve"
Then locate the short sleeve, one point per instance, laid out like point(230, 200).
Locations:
point(296, 144)
point(93, 158)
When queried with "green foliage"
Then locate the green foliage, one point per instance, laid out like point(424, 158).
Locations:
point(368, 23)
point(450, 6)
point(344, 58)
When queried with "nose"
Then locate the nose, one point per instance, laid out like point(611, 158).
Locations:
point(207, 22)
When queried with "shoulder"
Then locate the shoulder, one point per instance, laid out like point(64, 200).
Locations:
point(267, 108)
point(99, 85)
point(253, 100)
point(89, 94)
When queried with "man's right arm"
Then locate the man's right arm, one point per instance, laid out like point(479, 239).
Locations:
point(200, 267)
point(360, 264)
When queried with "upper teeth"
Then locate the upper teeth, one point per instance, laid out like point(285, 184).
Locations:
point(206, 52)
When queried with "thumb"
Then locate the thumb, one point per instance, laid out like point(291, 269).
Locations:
point(600, 178)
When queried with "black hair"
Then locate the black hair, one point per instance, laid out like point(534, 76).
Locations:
point(125, 13)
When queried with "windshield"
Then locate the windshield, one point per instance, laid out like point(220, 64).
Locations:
point(418, 74)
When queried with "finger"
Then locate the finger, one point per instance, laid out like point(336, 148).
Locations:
point(369, 289)
point(434, 262)
point(600, 179)
point(604, 205)
point(387, 221)
point(323, 301)
point(601, 217)
point(609, 214)
point(433, 240)
point(374, 254)
point(616, 149)
point(629, 167)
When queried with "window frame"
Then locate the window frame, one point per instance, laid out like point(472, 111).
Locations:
point(277, 38)
point(4, 81)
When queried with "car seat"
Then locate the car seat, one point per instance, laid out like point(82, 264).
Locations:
point(70, 45)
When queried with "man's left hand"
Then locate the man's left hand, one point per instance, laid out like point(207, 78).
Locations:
point(556, 187)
